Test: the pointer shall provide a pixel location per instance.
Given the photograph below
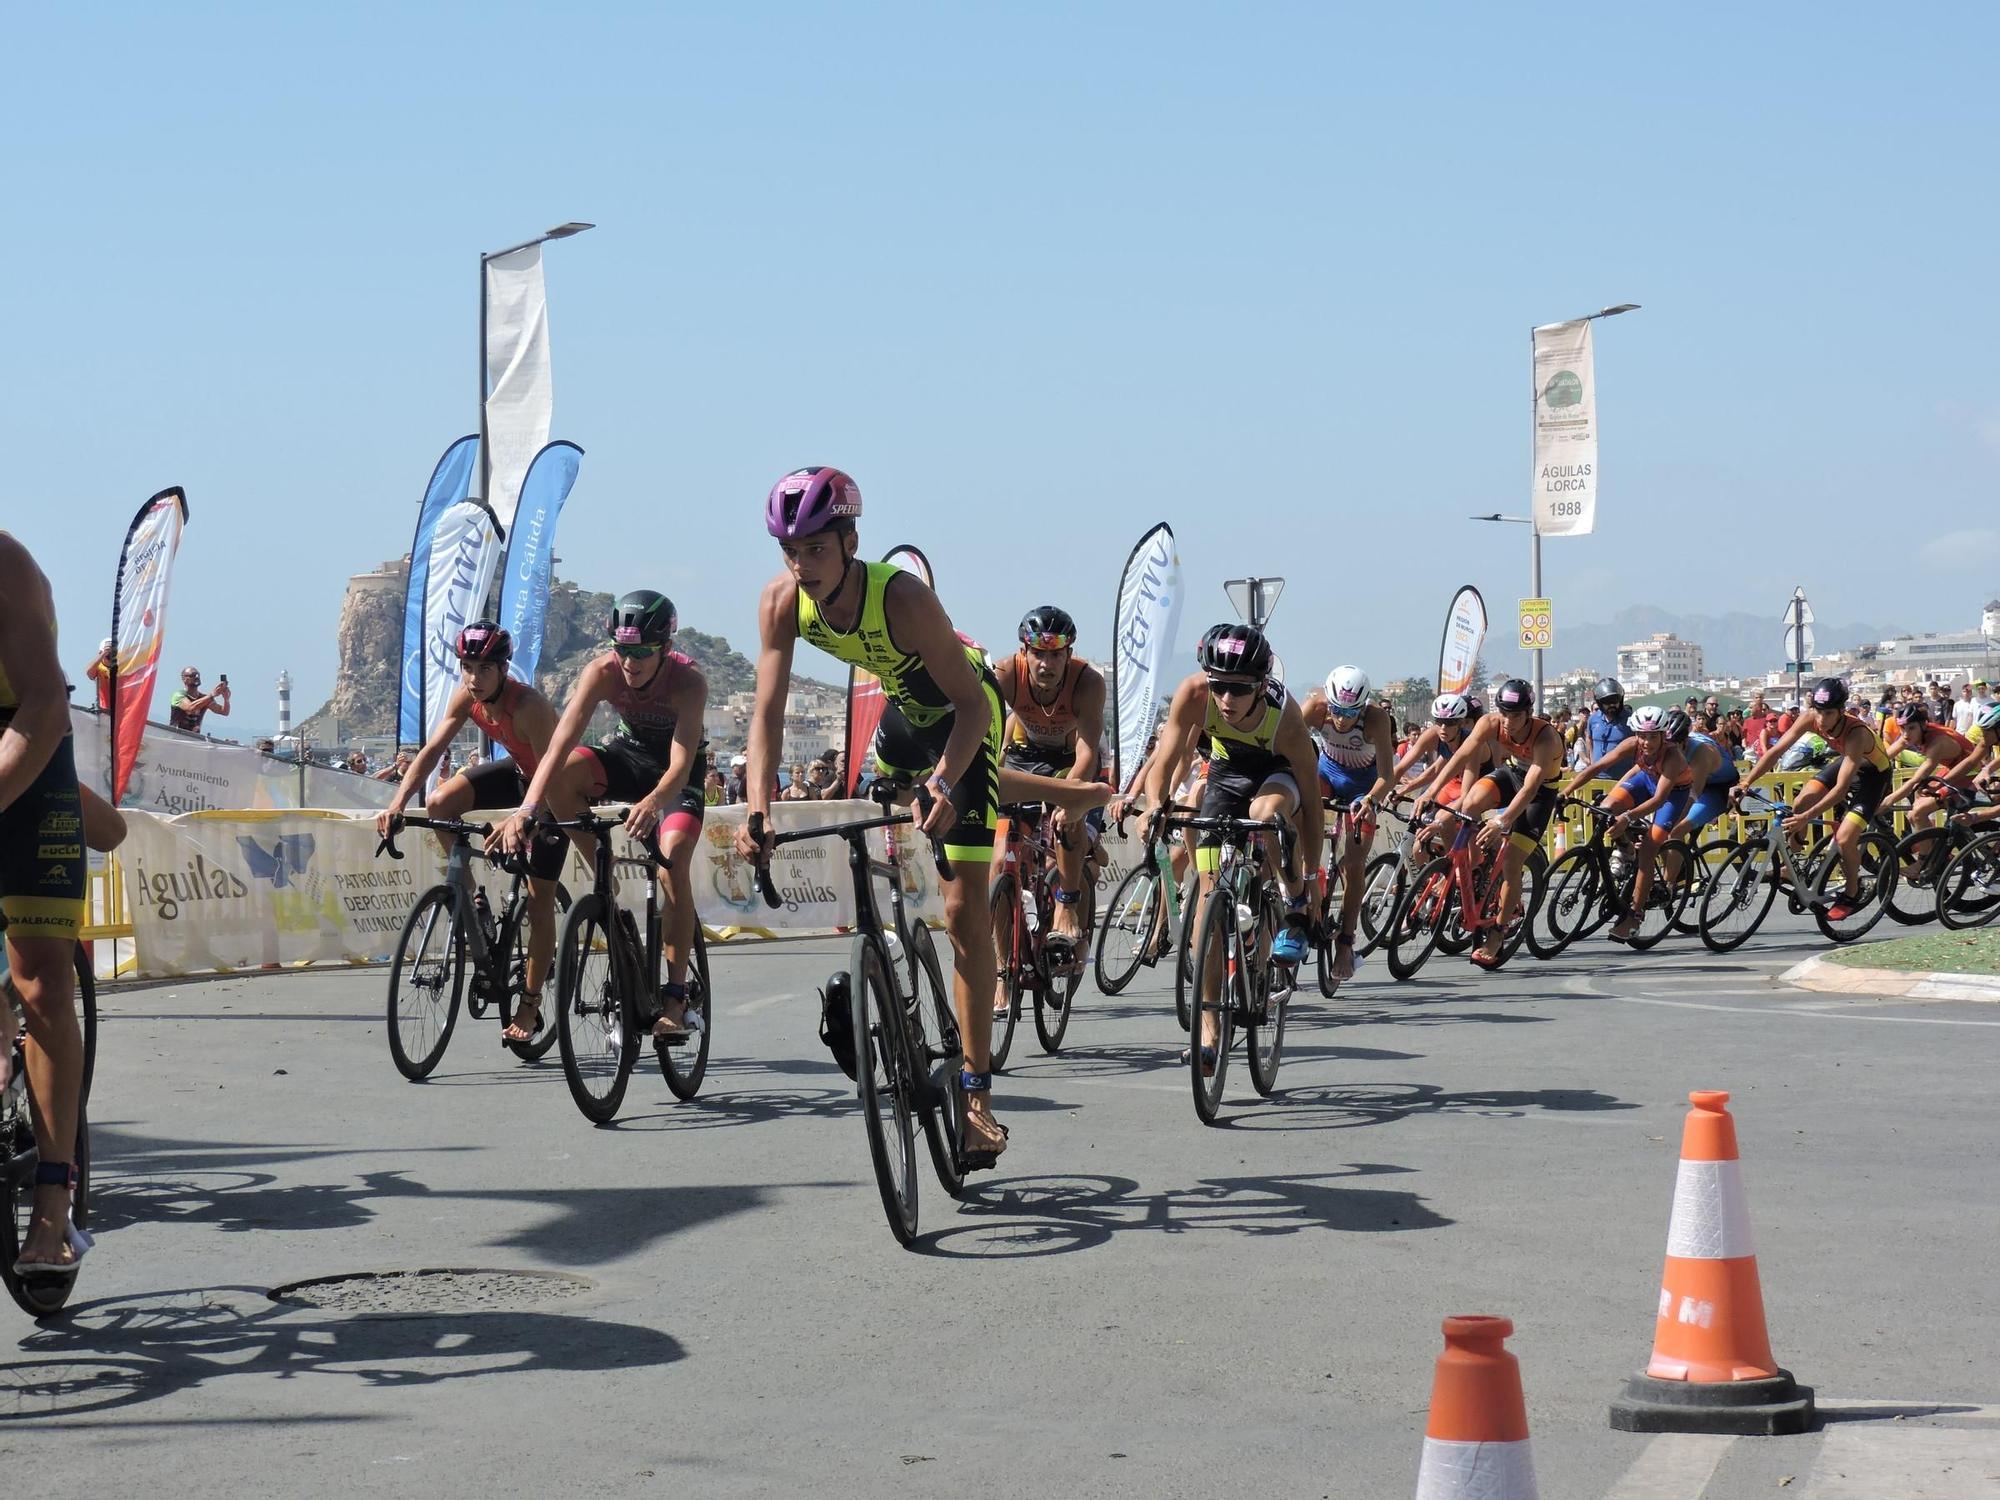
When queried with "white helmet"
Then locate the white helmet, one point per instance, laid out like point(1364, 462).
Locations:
point(1450, 708)
point(1648, 720)
point(1347, 690)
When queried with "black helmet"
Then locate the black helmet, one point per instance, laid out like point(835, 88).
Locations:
point(1515, 696)
point(1829, 692)
point(1237, 650)
point(642, 617)
point(1913, 712)
point(1047, 628)
point(1606, 687)
point(1678, 725)
point(483, 640)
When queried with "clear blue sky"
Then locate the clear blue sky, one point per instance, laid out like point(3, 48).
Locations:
point(1037, 275)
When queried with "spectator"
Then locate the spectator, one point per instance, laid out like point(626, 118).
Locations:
point(1758, 726)
point(1606, 725)
point(713, 791)
point(1940, 702)
point(839, 779)
point(821, 784)
point(444, 771)
point(357, 762)
point(267, 747)
point(1785, 721)
point(188, 706)
point(1964, 711)
point(99, 672)
point(476, 758)
point(739, 770)
point(1730, 735)
point(796, 789)
point(394, 772)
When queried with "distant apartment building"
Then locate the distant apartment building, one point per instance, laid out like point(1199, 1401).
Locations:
point(1949, 656)
point(1663, 661)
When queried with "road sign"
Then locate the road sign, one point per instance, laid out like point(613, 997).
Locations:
point(1799, 643)
point(1538, 626)
point(1254, 598)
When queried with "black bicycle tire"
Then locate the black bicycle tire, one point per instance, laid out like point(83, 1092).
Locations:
point(1014, 961)
point(1052, 1019)
point(1953, 913)
point(1270, 1028)
point(944, 1113)
point(1184, 953)
point(1218, 924)
point(42, 1296)
point(1646, 936)
point(86, 1020)
point(685, 1066)
point(1147, 874)
point(878, 1035)
point(1852, 930)
point(593, 911)
point(1929, 850)
point(1374, 934)
point(1739, 863)
point(1420, 930)
point(416, 1069)
point(1547, 935)
point(537, 1046)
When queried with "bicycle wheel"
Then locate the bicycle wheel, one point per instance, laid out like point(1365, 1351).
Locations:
point(1666, 897)
point(685, 1066)
point(937, 1034)
point(536, 1047)
point(1323, 959)
point(1527, 902)
point(885, 1086)
point(1875, 876)
point(1572, 895)
point(1217, 944)
point(1264, 1033)
point(38, 1296)
point(1128, 928)
point(1380, 886)
point(86, 1019)
point(593, 1023)
point(1737, 900)
point(1184, 952)
point(1014, 951)
point(1055, 997)
point(1968, 892)
point(1923, 855)
point(1429, 905)
point(1706, 858)
point(425, 983)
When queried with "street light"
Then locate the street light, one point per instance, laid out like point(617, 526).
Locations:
point(1534, 395)
point(560, 232)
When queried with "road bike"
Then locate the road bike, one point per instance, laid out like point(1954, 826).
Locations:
point(43, 1296)
point(1239, 919)
point(1436, 902)
point(1924, 854)
point(609, 971)
point(901, 1044)
point(1744, 885)
point(1381, 887)
point(1592, 884)
point(449, 927)
point(1023, 906)
point(1968, 889)
point(1150, 914)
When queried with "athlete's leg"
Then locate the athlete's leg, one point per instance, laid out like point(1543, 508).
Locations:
point(680, 837)
point(44, 975)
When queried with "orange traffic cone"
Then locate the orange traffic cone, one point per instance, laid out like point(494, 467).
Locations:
point(1712, 1368)
point(1476, 1444)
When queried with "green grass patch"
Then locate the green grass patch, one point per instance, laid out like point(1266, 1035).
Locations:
point(1975, 952)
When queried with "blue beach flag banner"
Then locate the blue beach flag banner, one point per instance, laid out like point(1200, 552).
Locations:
point(450, 482)
point(524, 585)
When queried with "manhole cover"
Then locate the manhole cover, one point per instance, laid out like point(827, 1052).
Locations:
point(431, 1290)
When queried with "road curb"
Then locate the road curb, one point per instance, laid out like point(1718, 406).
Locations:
point(1827, 977)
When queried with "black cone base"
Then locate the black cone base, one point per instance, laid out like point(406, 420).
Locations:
point(1746, 1408)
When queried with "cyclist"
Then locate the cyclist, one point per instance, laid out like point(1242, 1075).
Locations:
point(1659, 787)
point(1858, 780)
point(656, 760)
point(1260, 757)
point(42, 894)
point(516, 717)
point(1928, 750)
point(1452, 717)
point(1357, 762)
point(941, 724)
point(1055, 719)
point(1527, 756)
point(1610, 721)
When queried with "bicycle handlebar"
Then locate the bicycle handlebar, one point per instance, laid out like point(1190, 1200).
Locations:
point(762, 835)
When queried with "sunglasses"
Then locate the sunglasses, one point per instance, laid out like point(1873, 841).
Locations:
point(637, 653)
point(1224, 687)
point(1046, 642)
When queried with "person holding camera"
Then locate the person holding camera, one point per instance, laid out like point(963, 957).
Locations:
point(190, 705)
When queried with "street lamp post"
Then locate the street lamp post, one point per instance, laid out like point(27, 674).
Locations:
point(560, 232)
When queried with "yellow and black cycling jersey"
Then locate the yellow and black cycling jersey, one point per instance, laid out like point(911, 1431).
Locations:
point(1250, 750)
point(872, 648)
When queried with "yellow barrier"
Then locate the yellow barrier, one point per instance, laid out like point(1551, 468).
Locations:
point(1571, 826)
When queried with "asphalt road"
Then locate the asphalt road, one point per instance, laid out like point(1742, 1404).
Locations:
point(1133, 1304)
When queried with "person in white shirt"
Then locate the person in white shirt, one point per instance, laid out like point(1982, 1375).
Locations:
point(1964, 711)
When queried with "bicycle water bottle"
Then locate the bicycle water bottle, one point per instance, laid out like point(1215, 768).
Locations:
point(1031, 916)
point(894, 943)
point(1245, 917)
point(484, 913)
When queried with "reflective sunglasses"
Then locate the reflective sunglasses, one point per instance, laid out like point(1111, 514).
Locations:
point(1046, 642)
point(1226, 687)
point(637, 653)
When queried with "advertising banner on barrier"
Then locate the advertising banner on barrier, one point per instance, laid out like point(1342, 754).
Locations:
point(1142, 637)
point(1464, 634)
point(449, 483)
point(179, 773)
point(1565, 430)
point(139, 624)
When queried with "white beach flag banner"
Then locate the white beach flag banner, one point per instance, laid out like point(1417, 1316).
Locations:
point(520, 388)
point(1565, 430)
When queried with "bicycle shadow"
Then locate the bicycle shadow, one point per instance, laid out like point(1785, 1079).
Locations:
point(121, 1351)
point(715, 1111)
point(1130, 1059)
point(1347, 1106)
point(1060, 1215)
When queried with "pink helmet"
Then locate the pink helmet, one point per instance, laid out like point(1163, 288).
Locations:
point(807, 501)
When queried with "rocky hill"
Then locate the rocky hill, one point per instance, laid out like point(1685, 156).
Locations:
point(371, 647)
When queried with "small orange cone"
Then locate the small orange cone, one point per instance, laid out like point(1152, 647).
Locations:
point(1476, 1445)
point(1712, 1369)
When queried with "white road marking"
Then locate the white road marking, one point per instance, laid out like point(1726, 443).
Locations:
point(764, 1002)
point(1859, 1461)
point(1674, 1466)
point(1582, 984)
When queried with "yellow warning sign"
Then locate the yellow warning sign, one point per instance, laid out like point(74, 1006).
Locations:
point(1538, 628)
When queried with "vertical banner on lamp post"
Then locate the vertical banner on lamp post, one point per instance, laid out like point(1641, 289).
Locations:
point(1464, 634)
point(520, 388)
point(1565, 490)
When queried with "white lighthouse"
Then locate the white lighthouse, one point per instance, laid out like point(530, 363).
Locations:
point(284, 703)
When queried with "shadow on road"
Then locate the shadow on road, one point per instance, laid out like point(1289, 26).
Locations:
point(1029, 1216)
point(1345, 1106)
point(123, 1351)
